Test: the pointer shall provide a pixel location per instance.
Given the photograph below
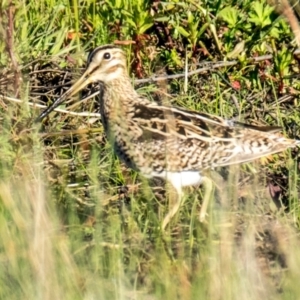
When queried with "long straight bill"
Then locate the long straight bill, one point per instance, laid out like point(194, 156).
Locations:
point(82, 82)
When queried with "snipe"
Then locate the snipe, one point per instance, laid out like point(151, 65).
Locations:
point(168, 142)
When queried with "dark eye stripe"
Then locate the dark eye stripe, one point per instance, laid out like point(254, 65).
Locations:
point(100, 48)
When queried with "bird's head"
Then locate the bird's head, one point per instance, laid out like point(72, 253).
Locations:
point(104, 64)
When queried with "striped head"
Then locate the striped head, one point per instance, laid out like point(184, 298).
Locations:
point(104, 64)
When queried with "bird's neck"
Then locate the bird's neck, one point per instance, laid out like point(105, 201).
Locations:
point(119, 99)
point(120, 93)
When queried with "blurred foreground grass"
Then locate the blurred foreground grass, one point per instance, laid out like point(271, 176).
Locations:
point(67, 230)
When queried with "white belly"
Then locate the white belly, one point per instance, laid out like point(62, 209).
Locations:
point(184, 178)
point(181, 179)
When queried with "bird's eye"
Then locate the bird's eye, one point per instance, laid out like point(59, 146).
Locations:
point(106, 55)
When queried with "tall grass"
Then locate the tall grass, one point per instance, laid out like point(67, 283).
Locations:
point(66, 233)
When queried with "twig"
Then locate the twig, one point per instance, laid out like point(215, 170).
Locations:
point(132, 188)
point(71, 132)
point(208, 66)
point(286, 10)
point(10, 47)
point(80, 114)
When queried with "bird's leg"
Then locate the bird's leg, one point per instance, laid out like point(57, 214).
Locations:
point(208, 190)
point(174, 209)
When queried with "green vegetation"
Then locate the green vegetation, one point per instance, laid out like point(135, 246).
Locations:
point(69, 230)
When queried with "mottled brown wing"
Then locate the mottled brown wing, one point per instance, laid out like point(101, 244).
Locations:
point(188, 140)
point(163, 120)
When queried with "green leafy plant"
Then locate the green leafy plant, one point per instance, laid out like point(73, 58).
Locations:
point(69, 230)
point(260, 14)
point(283, 60)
